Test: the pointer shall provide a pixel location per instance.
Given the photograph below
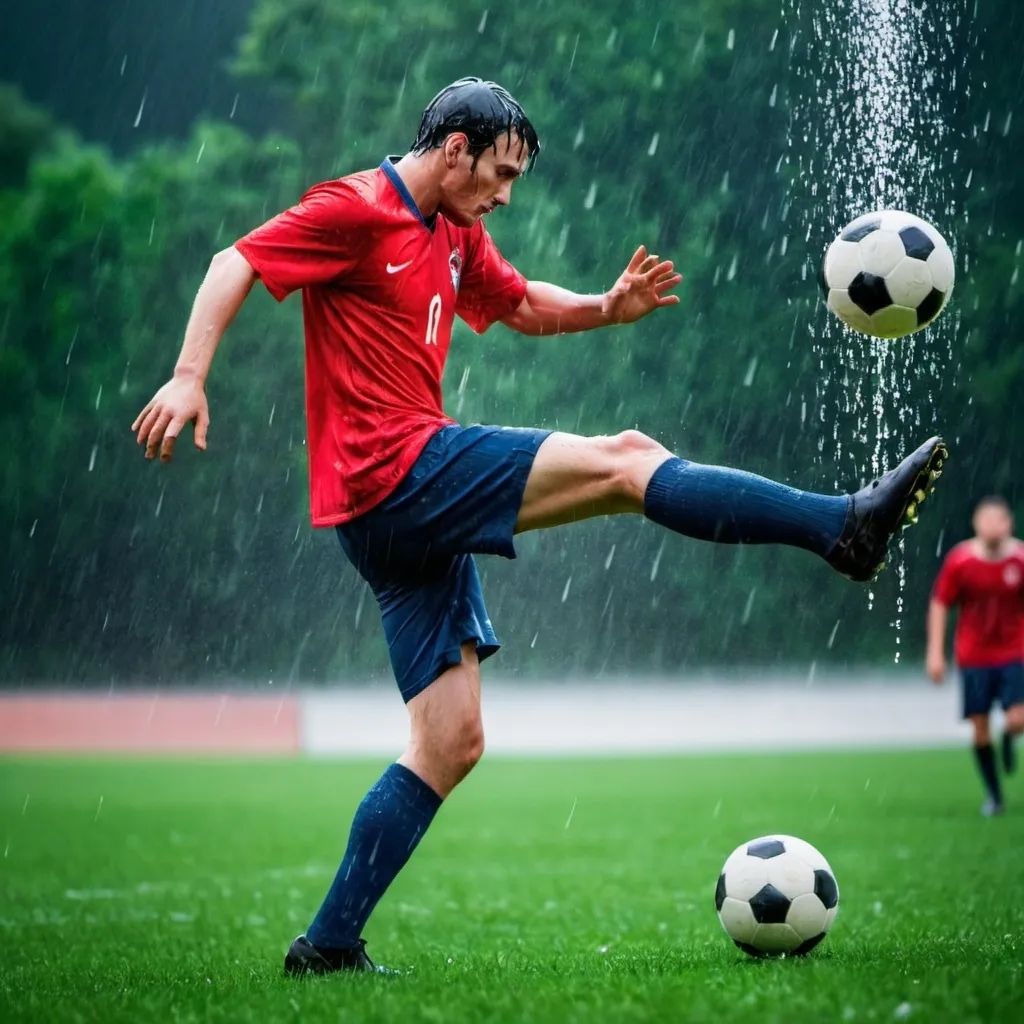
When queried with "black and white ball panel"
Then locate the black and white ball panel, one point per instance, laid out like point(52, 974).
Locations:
point(887, 274)
point(776, 895)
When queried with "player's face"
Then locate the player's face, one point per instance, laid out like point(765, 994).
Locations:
point(993, 525)
point(468, 192)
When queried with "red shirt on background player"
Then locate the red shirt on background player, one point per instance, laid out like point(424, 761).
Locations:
point(984, 578)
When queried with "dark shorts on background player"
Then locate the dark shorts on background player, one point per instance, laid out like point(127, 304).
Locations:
point(415, 549)
point(984, 686)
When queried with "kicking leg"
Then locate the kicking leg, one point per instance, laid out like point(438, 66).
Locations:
point(576, 478)
point(446, 741)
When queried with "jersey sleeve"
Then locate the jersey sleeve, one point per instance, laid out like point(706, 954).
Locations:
point(947, 584)
point(311, 243)
point(490, 288)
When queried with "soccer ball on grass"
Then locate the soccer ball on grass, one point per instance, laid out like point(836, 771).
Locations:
point(775, 896)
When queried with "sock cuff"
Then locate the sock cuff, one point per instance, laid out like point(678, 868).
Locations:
point(416, 793)
point(660, 487)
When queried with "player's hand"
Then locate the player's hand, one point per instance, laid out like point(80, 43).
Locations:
point(181, 400)
point(642, 287)
point(936, 667)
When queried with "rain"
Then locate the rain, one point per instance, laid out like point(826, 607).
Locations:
point(194, 607)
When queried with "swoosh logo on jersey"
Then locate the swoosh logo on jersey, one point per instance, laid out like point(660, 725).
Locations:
point(393, 269)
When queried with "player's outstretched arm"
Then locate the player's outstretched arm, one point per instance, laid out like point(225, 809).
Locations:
point(645, 285)
point(938, 613)
point(183, 398)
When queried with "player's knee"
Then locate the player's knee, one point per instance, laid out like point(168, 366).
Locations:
point(630, 443)
point(982, 735)
point(471, 748)
point(632, 454)
point(1015, 718)
point(463, 751)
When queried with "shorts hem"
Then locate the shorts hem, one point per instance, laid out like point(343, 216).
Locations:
point(506, 548)
point(448, 659)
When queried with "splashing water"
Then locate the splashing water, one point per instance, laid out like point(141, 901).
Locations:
point(875, 93)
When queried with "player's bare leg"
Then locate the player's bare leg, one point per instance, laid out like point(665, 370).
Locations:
point(576, 478)
point(446, 739)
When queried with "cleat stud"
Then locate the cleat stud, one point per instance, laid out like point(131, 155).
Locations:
point(919, 495)
point(910, 511)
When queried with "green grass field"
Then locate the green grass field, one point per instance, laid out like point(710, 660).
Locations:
point(159, 890)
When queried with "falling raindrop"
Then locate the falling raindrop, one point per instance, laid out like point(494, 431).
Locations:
point(832, 635)
point(588, 202)
point(657, 562)
point(748, 608)
point(142, 106)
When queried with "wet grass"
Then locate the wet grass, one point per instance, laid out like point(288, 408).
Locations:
point(546, 891)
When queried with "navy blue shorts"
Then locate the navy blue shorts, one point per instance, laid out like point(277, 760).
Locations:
point(415, 549)
point(984, 686)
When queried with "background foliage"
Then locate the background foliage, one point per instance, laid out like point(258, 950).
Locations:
point(661, 125)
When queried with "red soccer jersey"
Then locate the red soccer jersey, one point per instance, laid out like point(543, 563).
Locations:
point(990, 630)
point(380, 288)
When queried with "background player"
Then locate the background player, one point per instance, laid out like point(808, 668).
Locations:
point(385, 259)
point(984, 577)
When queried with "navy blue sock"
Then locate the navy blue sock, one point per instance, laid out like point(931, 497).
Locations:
point(388, 825)
point(986, 758)
point(733, 507)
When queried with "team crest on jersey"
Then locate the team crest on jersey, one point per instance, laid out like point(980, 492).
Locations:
point(455, 267)
point(1012, 575)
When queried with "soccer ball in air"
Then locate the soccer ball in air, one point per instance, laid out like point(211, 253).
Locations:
point(888, 274)
point(776, 896)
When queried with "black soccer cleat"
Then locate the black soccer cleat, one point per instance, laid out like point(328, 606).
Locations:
point(882, 508)
point(304, 958)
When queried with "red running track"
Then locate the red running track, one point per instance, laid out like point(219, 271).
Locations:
point(157, 723)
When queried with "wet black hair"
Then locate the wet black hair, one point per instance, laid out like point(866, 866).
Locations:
point(482, 111)
point(994, 501)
